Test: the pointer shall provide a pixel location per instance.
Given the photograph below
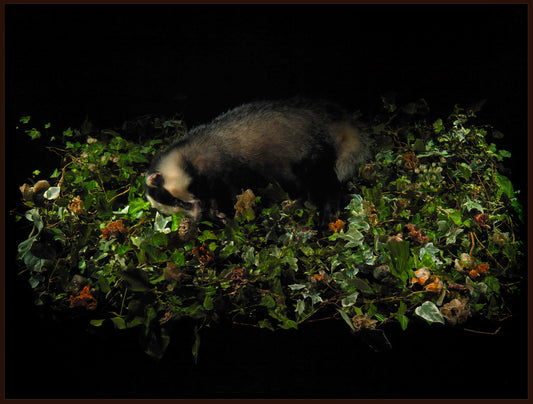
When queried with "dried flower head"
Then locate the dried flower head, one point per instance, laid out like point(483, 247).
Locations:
point(421, 276)
point(416, 234)
point(435, 286)
point(187, 229)
point(409, 160)
point(481, 219)
point(114, 229)
point(245, 205)
point(395, 239)
point(368, 171)
point(364, 321)
point(337, 226)
point(85, 299)
point(203, 254)
point(172, 272)
point(76, 206)
point(456, 311)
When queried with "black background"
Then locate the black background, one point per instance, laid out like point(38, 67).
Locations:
point(115, 62)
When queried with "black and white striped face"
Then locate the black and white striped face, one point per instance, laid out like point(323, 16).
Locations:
point(167, 188)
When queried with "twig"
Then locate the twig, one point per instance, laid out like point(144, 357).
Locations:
point(481, 244)
point(245, 324)
point(484, 332)
point(473, 243)
point(122, 193)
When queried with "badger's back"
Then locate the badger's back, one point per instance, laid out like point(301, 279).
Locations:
point(274, 136)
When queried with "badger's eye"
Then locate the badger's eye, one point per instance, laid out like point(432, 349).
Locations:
point(164, 197)
point(183, 204)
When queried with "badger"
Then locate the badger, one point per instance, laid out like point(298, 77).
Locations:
point(309, 148)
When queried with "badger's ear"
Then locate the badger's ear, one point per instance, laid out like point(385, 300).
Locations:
point(198, 165)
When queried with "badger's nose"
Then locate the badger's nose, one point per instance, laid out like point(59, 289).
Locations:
point(155, 180)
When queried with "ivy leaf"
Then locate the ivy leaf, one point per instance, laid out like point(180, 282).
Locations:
point(469, 204)
point(350, 300)
point(401, 317)
point(504, 184)
point(97, 322)
point(25, 247)
point(52, 193)
point(118, 322)
point(431, 251)
point(160, 223)
point(300, 307)
point(429, 312)
point(297, 286)
point(34, 216)
point(438, 126)
point(354, 237)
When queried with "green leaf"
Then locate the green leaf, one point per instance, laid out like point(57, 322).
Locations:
point(265, 324)
point(438, 126)
point(504, 184)
point(469, 204)
point(118, 322)
point(160, 223)
point(401, 317)
point(208, 302)
point(34, 282)
point(403, 320)
point(505, 153)
point(429, 312)
point(350, 300)
point(97, 322)
point(300, 307)
point(25, 247)
point(33, 133)
point(400, 254)
point(493, 284)
point(346, 318)
point(431, 251)
point(52, 193)
point(268, 302)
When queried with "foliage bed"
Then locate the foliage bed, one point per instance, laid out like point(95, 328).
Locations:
point(430, 233)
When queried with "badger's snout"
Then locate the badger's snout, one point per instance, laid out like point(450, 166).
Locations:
point(161, 199)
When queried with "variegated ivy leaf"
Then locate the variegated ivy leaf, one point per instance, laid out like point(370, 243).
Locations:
point(429, 312)
point(430, 249)
point(160, 223)
point(52, 193)
point(350, 300)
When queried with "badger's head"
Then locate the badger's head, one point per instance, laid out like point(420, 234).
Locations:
point(167, 186)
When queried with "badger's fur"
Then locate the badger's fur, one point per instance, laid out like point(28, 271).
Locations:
point(309, 148)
